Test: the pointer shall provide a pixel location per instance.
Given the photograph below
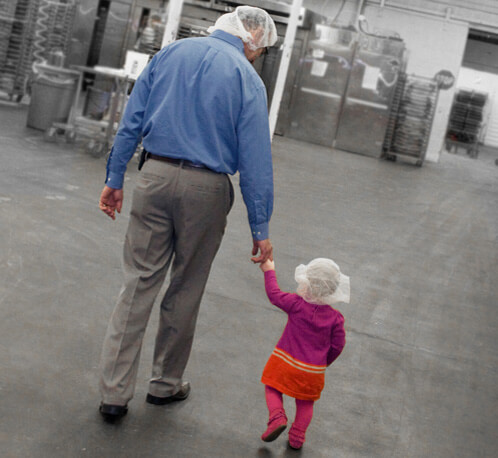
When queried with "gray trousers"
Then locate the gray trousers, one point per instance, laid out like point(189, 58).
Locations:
point(178, 215)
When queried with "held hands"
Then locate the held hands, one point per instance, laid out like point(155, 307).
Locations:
point(265, 248)
point(111, 200)
point(269, 264)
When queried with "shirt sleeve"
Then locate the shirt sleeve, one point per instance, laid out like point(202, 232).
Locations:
point(255, 163)
point(285, 301)
point(338, 341)
point(130, 129)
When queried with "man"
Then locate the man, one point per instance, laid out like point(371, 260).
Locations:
point(201, 111)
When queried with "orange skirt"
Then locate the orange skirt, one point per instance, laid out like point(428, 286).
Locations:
point(293, 377)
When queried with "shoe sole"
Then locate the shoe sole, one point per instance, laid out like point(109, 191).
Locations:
point(274, 434)
point(111, 414)
point(158, 401)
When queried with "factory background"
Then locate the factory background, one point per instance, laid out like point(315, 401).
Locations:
point(385, 147)
point(363, 66)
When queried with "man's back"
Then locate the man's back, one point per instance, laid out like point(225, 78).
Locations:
point(201, 90)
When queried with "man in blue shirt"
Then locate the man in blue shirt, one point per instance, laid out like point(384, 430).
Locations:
point(201, 112)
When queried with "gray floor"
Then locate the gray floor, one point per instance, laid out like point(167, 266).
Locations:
point(418, 377)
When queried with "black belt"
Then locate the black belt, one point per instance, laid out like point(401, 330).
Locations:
point(171, 160)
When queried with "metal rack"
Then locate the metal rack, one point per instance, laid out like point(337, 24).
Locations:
point(31, 30)
point(410, 125)
point(393, 113)
point(17, 21)
point(466, 121)
point(52, 28)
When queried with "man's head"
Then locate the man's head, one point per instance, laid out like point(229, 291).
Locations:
point(252, 25)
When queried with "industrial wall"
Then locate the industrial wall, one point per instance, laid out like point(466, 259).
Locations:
point(441, 45)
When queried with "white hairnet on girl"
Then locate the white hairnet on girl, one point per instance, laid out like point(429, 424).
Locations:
point(321, 282)
point(252, 25)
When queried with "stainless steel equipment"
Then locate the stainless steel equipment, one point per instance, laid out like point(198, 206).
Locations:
point(113, 41)
point(365, 113)
point(86, 17)
point(323, 76)
point(345, 89)
point(98, 134)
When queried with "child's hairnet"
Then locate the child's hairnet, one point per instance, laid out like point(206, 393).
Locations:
point(252, 25)
point(321, 282)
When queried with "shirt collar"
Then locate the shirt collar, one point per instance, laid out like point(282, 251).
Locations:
point(229, 38)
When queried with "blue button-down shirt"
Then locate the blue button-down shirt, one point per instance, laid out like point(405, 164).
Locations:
point(200, 99)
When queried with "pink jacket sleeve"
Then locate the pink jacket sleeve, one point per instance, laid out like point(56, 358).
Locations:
point(338, 340)
point(284, 301)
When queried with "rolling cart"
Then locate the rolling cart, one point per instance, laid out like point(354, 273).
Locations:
point(411, 119)
point(97, 134)
point(466, 123)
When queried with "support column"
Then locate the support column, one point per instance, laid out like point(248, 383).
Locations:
point(287, 47)
point(171, 29)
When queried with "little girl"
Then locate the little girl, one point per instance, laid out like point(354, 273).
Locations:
point(312, 339)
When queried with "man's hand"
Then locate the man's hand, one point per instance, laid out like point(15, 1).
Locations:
point(111, 200)
point(265, 249)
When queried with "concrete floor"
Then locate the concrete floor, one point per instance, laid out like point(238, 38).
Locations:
point(418, 376)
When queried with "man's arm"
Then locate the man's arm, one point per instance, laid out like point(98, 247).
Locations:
point(256, 171)
point(125, 145)
point(130, 129)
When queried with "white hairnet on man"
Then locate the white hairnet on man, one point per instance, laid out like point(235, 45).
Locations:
point(252, 25)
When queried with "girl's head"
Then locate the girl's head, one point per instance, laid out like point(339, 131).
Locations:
point(321, 282)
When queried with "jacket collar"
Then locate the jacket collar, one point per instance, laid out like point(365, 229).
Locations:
point(229, 38)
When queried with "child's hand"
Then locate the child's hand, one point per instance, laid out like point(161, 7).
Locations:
point(267, 265)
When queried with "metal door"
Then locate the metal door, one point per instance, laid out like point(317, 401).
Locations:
point(323, 77)
point(365, 113)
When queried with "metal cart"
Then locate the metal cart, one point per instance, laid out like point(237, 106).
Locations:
point(98, 134)
point(465, 126)
point(411, 118)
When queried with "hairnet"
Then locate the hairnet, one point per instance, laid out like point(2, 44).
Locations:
point(252, 25)
point(321, 282)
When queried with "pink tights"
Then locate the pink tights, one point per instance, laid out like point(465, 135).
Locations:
point(304, 409)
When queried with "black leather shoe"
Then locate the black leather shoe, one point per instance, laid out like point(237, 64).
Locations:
point(111, 412)
point(181, 395)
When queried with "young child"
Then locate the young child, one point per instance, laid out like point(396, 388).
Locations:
point(312, 339)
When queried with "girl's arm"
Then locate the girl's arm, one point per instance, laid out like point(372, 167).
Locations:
point(284, 301)
point(338, 341)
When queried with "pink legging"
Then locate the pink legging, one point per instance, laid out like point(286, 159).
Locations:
point(275, 403)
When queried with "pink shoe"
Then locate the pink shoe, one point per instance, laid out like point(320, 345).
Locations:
point(275, 427)
point(296, 438)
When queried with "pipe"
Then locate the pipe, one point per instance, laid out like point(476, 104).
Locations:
point(439, 14)
point(359, 11)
